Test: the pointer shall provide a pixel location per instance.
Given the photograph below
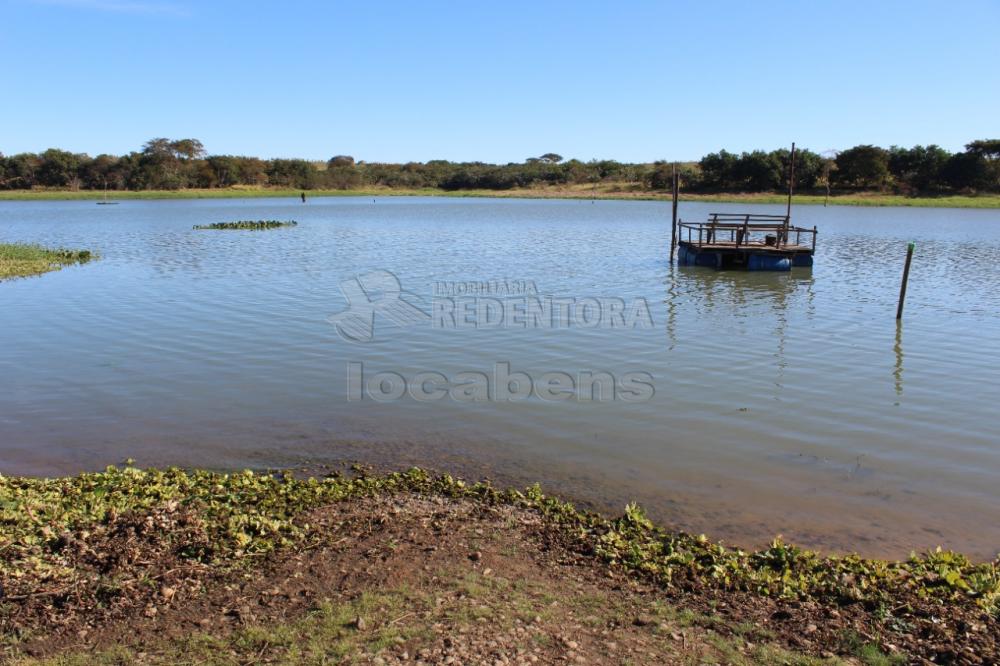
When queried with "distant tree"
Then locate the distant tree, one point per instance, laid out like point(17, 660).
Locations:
point(60, 168)
point(225, 169)
point(919, 168)
point(809, 169)
point(130, 169)
point(576, 171)
point(989, 150)
point(8, 178)
point(342, 178)
point(232, 170)
point(200, 173)
point(828, 165)
point(158, 146)
point(342, 174)
point(21, 169)
point(718, 171)
point(661, 176)
point(759, 171)
point(104, 171)
point(967, 171)
point(172, 164)
point(161, 163)
point(299, 174)
point(863, 167)
point(340, 161)
point(986, 148)
point(187, 149)
point(435, 172)
point(251, 170)
point(607, 169)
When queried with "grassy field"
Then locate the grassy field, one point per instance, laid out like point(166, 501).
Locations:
point(17, 260)
point(602, 191)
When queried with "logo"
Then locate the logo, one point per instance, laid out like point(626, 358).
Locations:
point(377, 292)
point(487, 305)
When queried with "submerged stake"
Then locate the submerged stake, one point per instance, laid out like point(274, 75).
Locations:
point(906, 277)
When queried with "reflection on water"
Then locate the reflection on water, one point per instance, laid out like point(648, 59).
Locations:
point(779, 401)
point(753, 297)
point(897, 348)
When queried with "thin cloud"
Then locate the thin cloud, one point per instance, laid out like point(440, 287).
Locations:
point(119, 6)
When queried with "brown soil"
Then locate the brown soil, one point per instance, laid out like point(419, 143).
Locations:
point(448, 581)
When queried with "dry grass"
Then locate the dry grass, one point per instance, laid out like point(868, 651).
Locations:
point(605, 190)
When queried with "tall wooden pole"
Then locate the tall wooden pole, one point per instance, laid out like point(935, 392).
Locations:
point(791, 188)
point(673, 225)
point(906, 277)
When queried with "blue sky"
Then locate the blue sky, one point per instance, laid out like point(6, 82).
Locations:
point(497, 81)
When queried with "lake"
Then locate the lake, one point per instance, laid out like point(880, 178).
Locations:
point(527, 340)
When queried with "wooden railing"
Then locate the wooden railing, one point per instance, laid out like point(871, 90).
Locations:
point(745, 230)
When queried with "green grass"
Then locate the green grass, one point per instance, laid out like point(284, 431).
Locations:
point(603, 191)
point(329, 632)
point(19, 260)
point(326, 635)
point(868, 653)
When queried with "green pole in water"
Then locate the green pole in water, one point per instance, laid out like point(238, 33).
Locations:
point(906, 277)
point(676, 183)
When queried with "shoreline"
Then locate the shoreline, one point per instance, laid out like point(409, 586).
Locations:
point(574, 193)
point(82, 549)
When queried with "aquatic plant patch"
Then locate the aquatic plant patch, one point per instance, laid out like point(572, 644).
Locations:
point(247, 225)
point(86, 541)
point(405, 573)
point(21, 260)
point(247, 513)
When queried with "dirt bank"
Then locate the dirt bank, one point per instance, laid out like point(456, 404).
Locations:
point(174, 567)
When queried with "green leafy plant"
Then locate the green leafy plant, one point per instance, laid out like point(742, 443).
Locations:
point(229, 518)
point(247, 225)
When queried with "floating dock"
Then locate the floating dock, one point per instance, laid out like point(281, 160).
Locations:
point(745, 241)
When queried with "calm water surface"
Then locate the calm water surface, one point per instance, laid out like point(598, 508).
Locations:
point(784, 403)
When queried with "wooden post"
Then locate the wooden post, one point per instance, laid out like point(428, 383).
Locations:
point(791, 188)
point(673, 225)
point(906, 277)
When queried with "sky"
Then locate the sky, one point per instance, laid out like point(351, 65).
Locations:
point(497, 81)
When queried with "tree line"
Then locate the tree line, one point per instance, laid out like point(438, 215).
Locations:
point(165, 164)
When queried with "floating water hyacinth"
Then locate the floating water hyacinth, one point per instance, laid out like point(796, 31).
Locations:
point(248, 225)
point(19, 260)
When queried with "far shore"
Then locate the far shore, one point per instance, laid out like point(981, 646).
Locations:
point(604, 191)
